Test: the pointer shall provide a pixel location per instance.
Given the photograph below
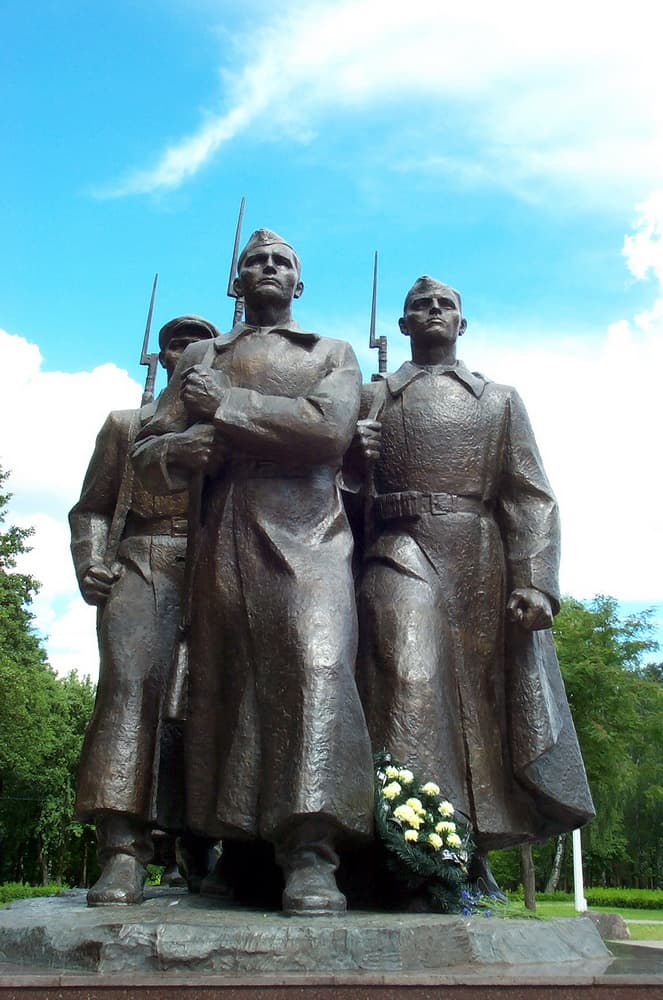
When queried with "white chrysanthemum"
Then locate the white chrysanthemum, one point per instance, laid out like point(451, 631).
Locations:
point(391, 772)
point(445, 809)
point(435, 841)
point(405, 776)
point(392, 790)
point(445, 827)
point(411, 835)
point(453, 840)
point(430, 788)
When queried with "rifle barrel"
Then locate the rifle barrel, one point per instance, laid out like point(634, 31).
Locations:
point(233, 264)
point(144, 356)
point(378, 342)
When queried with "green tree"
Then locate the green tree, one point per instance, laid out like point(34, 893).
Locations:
point(617, 707)
point(600, 655)
point(42, 721)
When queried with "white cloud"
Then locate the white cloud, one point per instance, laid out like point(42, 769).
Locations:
point(49, 422)
point(569, 91)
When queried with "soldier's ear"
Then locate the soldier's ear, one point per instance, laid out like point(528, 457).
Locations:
point(237, 287)
point(299, 288)
point(462, 328)
point(403, 327)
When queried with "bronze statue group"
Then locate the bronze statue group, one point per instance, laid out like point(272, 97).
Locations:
point(293, 571)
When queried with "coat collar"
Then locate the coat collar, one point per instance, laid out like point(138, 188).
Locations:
point(290, 329)
point(407, 373)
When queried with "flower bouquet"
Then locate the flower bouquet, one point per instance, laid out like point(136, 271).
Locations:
point(427, 847)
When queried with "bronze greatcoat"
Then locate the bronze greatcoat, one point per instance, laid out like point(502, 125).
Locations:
point(119, 770)
point(275, 729)
point(466, 515)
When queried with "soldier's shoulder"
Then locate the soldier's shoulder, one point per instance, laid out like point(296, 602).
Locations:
point(338, 349)
point(120, 420)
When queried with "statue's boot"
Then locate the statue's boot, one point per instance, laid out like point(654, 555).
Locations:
point(172, 877)
point(216, 882)
point(309, 862)
point(121, 881)
point(482, 878)
point(194, 855)
point(124, 849)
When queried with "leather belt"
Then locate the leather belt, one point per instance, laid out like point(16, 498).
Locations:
point(390, 506)
point(173, 526)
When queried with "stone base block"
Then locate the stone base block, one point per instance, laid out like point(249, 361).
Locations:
point(173, 932)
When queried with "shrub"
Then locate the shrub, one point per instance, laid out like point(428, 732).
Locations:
point(639, 899)
point(18, 890)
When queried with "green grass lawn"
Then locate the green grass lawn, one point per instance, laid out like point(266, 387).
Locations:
point(563, 909)
point(638, 932)
point(646, 932)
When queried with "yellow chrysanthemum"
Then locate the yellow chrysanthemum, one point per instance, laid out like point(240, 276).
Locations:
point(453, 840)
point(392, 790)
point(416, 805)
point(435, 841)
point(430, 788)
point(445, 809)
point(391, 772)
point(405, 776)
point(445, 827)
point(411, 835)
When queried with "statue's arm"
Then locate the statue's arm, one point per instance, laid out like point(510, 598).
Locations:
point(167, 452)
point(529, 521)
point(313, 429)
point(90, 518)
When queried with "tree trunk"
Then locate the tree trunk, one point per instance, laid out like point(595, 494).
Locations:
point(553, 881)
point(527, 871)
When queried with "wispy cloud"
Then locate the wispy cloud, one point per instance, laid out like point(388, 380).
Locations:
point(570, 91)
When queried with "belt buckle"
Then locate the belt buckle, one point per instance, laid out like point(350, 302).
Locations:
point(441, 503)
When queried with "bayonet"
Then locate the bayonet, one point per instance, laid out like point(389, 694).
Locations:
point(377, 342)
point(151, 360)
point(239, 300)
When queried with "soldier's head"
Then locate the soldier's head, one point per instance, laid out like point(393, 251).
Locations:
point(176, 335)
point(432, 313)
point(268, 271)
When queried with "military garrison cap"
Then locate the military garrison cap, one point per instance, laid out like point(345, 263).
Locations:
point(195, 324)
point(266, 238)
point(425, 284)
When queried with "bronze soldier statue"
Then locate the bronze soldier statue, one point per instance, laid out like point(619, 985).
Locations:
point(457, 668)
point(128, 548)
point(276, 744)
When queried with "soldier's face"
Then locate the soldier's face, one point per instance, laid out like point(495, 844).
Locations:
point(270, 274)
point(176, 347)
point(433, 315)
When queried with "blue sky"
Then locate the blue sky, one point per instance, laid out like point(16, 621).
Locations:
point(515, 152)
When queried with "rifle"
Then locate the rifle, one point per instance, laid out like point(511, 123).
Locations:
point(377, 342)
point(377, 404)
point(239, 300)
point(151, 360)
point(123, 502)
point(175, 704)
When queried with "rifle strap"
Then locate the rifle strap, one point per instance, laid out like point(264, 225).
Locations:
point(379, 400)
point(124, 496)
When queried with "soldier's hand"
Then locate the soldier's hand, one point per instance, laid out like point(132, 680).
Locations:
point(195, 449)
point(367, 440)
point(530, 608)
point(98, 582)
point(201, 391)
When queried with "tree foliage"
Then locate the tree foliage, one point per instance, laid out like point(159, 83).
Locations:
point(42, 721)
point(617, 705)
